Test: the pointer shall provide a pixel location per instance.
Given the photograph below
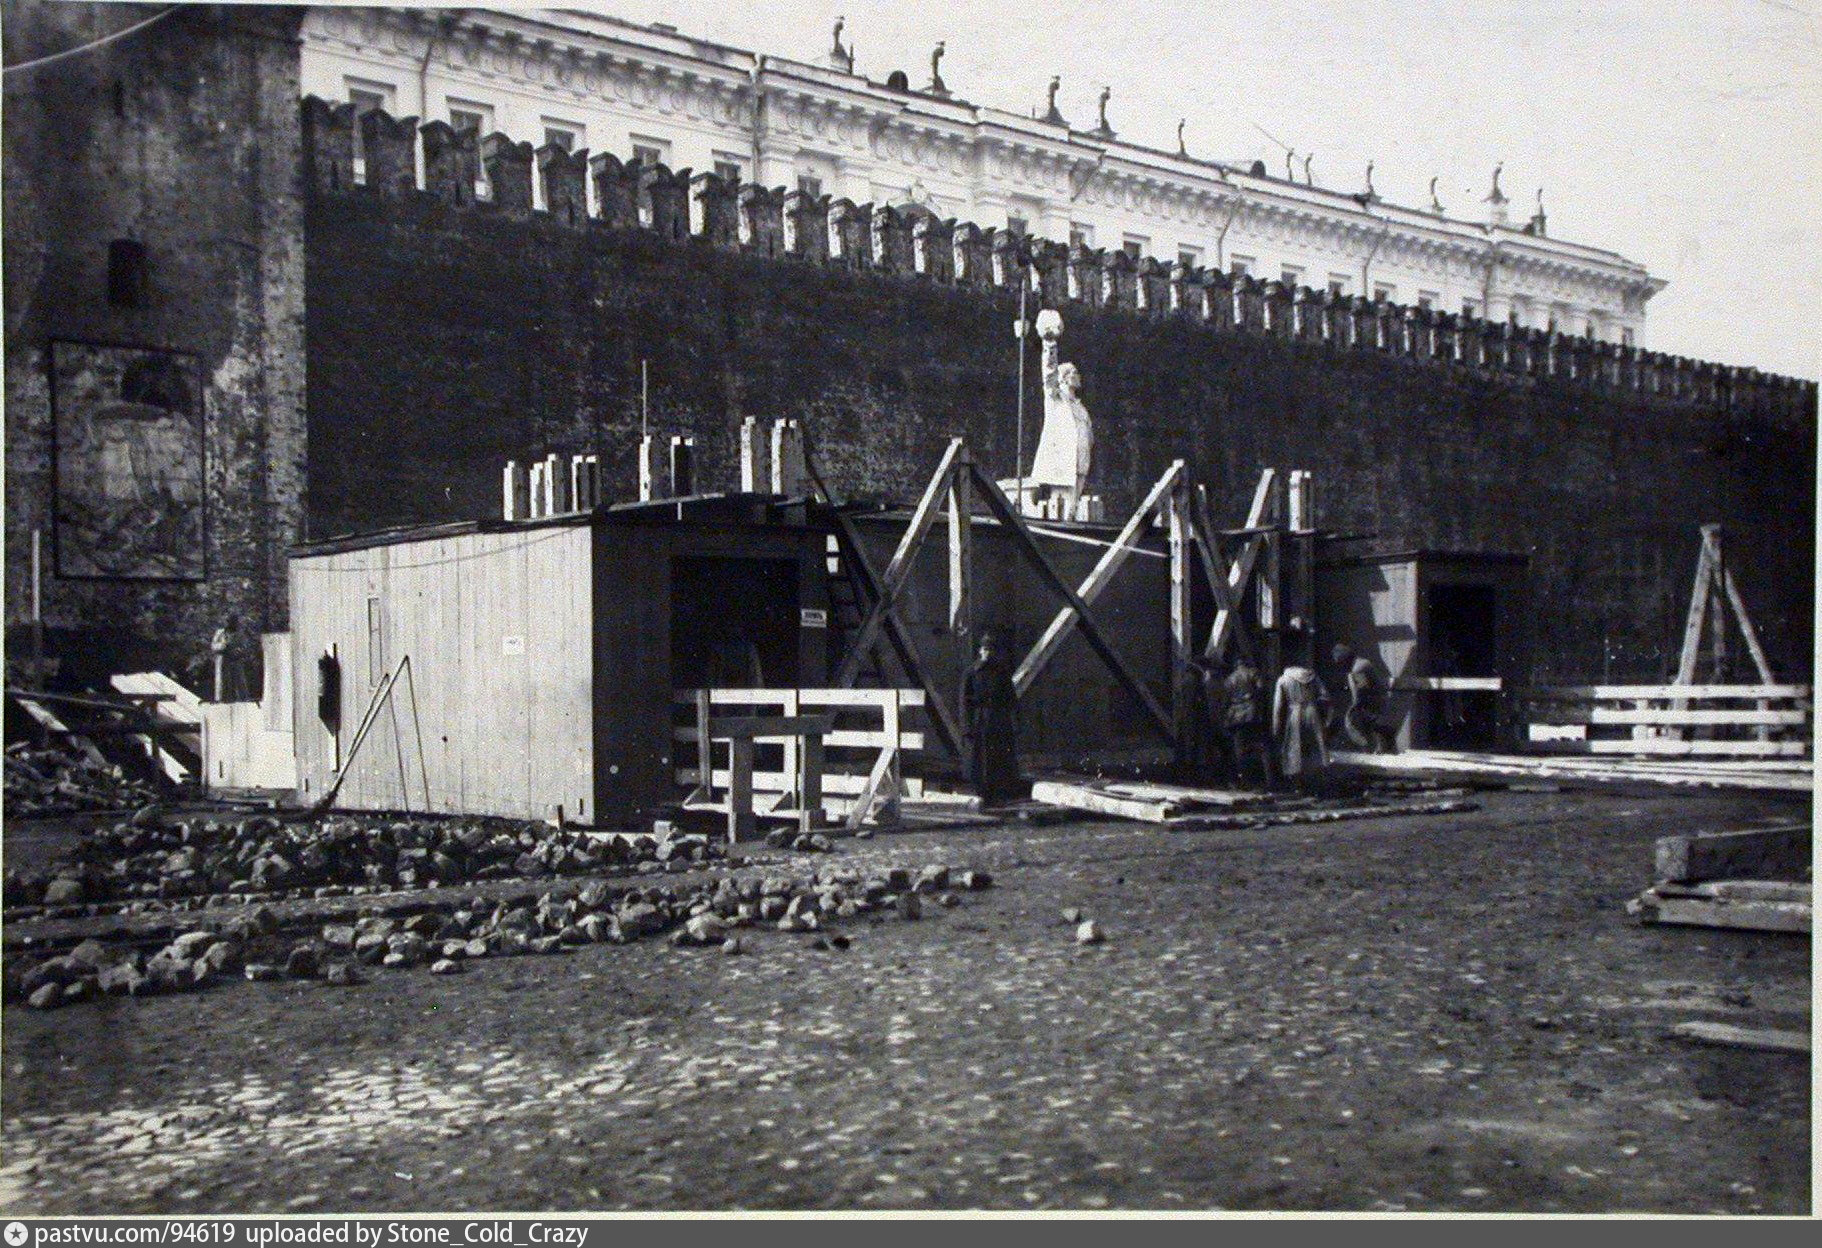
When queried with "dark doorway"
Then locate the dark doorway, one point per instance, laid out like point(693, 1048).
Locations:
point(1460, 631)
point(733, 623)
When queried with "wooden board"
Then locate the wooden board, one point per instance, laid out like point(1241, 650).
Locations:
point(1750, 916)
point(1666, 716)
point(1674, 748)
point(1721, 773)
point(1100, 802)
point(1796, 891)
point(1690, 693)
point(1770, 1039)
point(1757, 853)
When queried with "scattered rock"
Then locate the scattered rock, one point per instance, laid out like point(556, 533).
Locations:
point(446, 966)
point(46, 997)
point(303, 962)
point(1088, 932)
point(343, 975)
point(262, 972)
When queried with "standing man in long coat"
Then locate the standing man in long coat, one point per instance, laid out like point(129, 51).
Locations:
point(990, 709)
point(1298, 701)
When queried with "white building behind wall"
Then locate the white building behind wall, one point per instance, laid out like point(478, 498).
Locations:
point(587, 81)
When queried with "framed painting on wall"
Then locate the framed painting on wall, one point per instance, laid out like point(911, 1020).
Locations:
point(129, 462)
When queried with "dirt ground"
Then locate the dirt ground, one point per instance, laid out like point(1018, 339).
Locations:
point(1436, 1013)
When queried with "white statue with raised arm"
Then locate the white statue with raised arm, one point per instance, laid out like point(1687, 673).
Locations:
point(1066, 444)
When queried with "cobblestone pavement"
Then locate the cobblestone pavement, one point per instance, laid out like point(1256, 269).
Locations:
point(1449, 1012)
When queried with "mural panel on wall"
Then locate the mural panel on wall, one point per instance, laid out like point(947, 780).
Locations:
point(129, 455)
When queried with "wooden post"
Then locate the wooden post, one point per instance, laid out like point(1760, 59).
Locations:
point(787, 458)
point(753, 474)
point(741, 821)
point(556, 480)
point(809, 780)
point(705, 756)
point(649, 475)
point(38, 676)
point(1182, 676)
point(513, 502)
point(960, 555)
point(1303, 530)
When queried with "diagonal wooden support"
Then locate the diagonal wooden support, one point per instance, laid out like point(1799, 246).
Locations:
point(1110, 563)
point(1698, 603)
point(1227, 617)
point(1008, 515)
point(1746, 629)
point(935, 703)
point(898, 571)
point(961, 556)
point(1226, 592)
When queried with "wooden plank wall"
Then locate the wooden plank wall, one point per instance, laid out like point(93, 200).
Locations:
point(494, 714)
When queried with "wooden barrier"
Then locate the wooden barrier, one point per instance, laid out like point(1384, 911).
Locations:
point(1770, 721)
point(861, 776)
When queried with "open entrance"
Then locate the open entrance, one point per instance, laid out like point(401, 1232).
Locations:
point(1460, 630)
point(734, 623)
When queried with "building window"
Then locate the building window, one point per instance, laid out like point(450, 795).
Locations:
point(468, 119)
point(729, 169)
point(1384, 292)
point(1081, 235)
point(476, 120)
point(1426, 299)
point(1017, 226)
point(1189, 257)
point(1135, 245)
point(809, 184)
point(651, 151)
point(1291, 275)
point(1340, 284)
point(1470, 307)
point(564, 134)
point(1240, 266)
point(1628, 337)
point(366, 97)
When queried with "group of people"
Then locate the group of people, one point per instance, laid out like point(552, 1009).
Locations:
point(1242, 735)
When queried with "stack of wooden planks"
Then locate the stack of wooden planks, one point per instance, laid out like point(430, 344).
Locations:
point(1753, 880)
point(1181, 809)
point(1794, 775)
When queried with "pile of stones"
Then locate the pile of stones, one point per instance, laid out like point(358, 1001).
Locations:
point(53, 782)
point(151, 857)
point(446, 938)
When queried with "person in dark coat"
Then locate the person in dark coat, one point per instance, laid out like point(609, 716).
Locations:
point(1364, 722)
point(1243, 724)
point(990, 710)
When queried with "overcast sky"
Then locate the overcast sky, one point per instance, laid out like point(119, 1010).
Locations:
point(1685, 135)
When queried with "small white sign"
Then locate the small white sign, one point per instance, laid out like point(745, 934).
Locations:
point(514, 644)
point(813, 617)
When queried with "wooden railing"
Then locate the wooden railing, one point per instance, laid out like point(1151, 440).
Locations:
point(861, 778)
point(1768, 721)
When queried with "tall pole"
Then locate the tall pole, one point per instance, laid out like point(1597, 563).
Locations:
point(644, 398)
point(1018, 466)
point(37, 609)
